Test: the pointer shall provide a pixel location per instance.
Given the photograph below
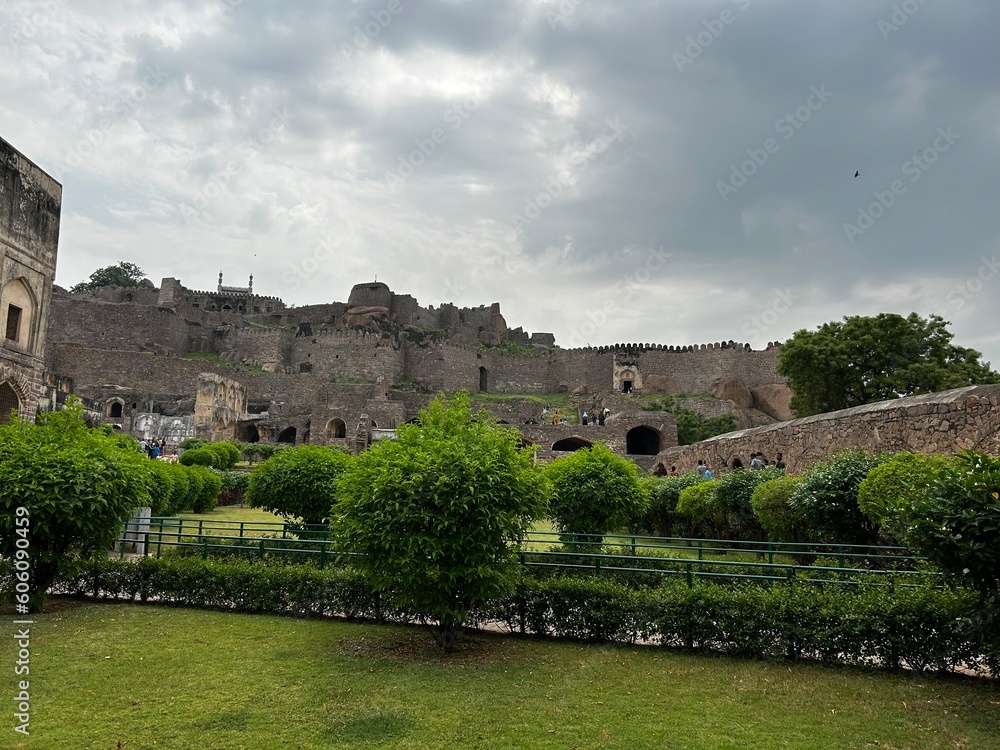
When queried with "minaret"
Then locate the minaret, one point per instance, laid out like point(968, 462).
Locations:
point(251, 284)
point(220, 283)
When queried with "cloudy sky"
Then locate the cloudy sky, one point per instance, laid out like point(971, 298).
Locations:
point(670, 172)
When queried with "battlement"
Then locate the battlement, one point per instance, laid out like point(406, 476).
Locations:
point(640, 348)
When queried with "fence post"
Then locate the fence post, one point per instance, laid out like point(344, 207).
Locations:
point(241, 530)
point(260, 554)
point(322, 555)
point(201, 524)
point(204, 548)
point(597, 566)
point(159, 540)
point(790, 575)
point(770, 554)
point(690, 578)
point(633, 546)
point(700, 550)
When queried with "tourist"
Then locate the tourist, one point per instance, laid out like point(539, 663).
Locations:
point(555, 418)
point(708, 473)
point(673, 472)
point(701, 467)
point(600, 419)
point(757, 461)
point(585, 419)
point(779, 462)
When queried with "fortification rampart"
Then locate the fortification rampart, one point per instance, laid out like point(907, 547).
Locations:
point(944, 422)
point(113, 325)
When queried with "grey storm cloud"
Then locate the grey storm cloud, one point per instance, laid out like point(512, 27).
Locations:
point(672, 172)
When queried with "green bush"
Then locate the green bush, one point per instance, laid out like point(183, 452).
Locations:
point(771, 503)
point(234, 487)
point(208, 493)
point(192, 444)
point(956, 524)
point(161, 487)
point(662, 518)
point(198, 457)
point(180, 493)
point(196, 484)
point(594, 491)
point(300, 483)
point(892, 488)
point(828, 497)
point(226, 455)
point(700, 504)
point(733, 494)
point(869, 624)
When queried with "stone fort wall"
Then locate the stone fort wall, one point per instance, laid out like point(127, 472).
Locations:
point(946, 422)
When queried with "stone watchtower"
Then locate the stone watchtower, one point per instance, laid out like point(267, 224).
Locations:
point(30, 207)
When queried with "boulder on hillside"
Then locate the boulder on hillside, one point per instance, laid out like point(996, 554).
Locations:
point(661, 384)
point(489, 338)
point(359, 316)
point(774, 400)
point(732, 389)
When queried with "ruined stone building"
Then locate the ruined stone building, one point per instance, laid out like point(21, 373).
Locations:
point(30, 207)
point(231, 363)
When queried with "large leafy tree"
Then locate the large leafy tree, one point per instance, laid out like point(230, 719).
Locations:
point(595, 491)
point(866, 359)
point(121, 274)
point(65, 491)
point(435, 514)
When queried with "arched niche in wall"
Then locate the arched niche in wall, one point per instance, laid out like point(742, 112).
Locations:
point(642, 441)
point(571, 444)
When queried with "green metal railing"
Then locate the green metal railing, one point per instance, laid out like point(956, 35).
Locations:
point(691, 559)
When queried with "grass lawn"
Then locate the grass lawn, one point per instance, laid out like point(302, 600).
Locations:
point(238, 514)
point(127, 676)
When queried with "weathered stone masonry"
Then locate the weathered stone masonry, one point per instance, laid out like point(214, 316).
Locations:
point(946, 422)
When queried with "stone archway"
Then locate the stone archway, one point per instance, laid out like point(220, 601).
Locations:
point(9, 400)
point(642, 441)
point(287, 435)
point(336, 429)
point(571, 444)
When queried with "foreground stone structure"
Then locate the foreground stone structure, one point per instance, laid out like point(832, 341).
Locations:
point(946, 422)
point(30, 209)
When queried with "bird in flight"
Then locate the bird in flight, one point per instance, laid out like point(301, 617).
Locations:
point(857, 174)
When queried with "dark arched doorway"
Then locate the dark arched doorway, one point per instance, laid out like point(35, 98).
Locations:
point(571, 444)
point(336, 429)
point(8, 401)
point(484, 380)
point(250, 434)
point(287, 435)
point(642, 441)
point(116, 410)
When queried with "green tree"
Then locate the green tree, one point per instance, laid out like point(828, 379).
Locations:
point(700, 504)
point(595, 491)
point(66, 491)
point(121, 274)
point(435, 514)
point(867, 359)
point(299, 483)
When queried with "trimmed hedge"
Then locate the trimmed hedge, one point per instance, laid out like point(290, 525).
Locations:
point(865, 625)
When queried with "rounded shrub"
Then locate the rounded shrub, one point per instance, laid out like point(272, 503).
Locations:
point(662, 518)
point(700, 504)
point(892, 488)
point(299, 483)
point(828, 497)
point(193, 443)
point(180, 494)
point(771, 505)
point(594, 491)
point(733, 495)
point(208, 494)
point(161, 487)
point(198, 457)
point(196, 481)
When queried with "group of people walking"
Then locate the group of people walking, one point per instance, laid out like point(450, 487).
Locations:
point(758, 462)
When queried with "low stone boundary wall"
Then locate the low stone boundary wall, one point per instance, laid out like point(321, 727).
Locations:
point(945, 422)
